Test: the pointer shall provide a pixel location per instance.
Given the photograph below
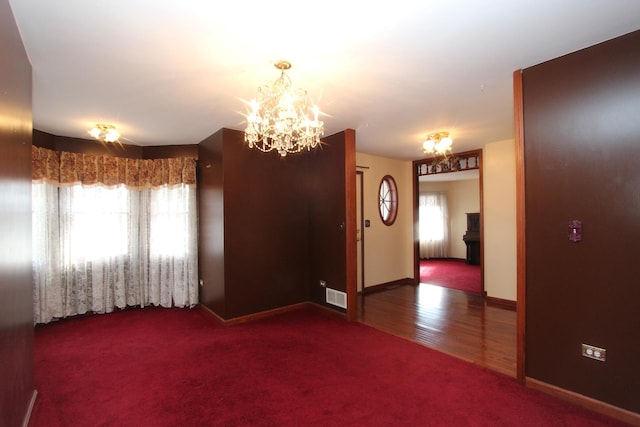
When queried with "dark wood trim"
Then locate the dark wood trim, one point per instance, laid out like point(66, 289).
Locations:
point(32, 404)
point(416, 230)
point(252, 316)
point(389, 285)
point(350, 219)
point(361, 225)
point(521, 264)
point(501, 303)
point(455, 158)
point(584, 401)
point(268, 313)
point(465, 154)
point(481, 195)
point(210, 313)
point(443, 258)
point(327, 310)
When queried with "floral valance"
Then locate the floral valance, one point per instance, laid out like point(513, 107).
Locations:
point(70, 168)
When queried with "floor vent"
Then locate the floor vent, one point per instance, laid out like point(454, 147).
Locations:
point(336, 298)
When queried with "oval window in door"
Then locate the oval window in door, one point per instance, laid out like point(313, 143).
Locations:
point(388, 200)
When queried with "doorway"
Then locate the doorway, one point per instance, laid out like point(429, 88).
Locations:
point(458, 167)
point(448, 253)
point(457, 323)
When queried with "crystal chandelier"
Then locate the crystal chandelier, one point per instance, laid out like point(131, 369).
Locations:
point(437, 143)
point(105, 133)
point(279, 118)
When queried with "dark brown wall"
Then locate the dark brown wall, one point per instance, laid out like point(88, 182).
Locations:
point(16, 301)
point(43, 139)
point(170, 151)
point(258, 212)
point(265, 226)
point(84, 146)
point(330, 177)
point(582, 145)
point(90, 146)
point(211, 233)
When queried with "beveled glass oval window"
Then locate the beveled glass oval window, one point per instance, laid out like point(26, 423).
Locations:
point(388, 200)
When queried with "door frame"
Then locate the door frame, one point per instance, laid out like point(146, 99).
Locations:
point(360, 226)
point(416, 194)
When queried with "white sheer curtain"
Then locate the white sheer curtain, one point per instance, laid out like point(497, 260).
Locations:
point(433, 225)
point(97, 248)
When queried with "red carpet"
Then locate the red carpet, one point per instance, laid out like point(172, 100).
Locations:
point(451, 273)
point(177, 367)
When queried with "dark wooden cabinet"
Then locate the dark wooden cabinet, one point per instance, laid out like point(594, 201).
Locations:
point(472, 238)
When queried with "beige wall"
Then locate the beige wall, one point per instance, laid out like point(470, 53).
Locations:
point(499, 192)
point(462, 197)
point(388, 249)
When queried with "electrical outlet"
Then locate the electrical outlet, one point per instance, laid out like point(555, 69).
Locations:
point(593, 352)
point(323, 283)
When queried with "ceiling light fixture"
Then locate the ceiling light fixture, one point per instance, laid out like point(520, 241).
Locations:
point(437, 143)
point(279, 118)
point(105, 133)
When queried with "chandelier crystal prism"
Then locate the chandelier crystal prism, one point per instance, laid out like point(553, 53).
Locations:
point(105, 133)
point(283, 118)
point(437, 143)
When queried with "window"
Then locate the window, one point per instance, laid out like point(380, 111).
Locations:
point(111, 232)
point(433, 225)
point(98, 248)
point(170, 213)
point(95, 214)
point(388, 200)
point(432, 217)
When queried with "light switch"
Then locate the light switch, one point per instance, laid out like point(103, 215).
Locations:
point(575, 231)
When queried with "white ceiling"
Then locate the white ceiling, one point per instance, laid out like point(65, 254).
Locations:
point(167, 72)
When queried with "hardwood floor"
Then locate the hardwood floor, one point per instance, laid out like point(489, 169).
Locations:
point(454, 322)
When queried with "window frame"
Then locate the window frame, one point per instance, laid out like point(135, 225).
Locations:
point(388, 201)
